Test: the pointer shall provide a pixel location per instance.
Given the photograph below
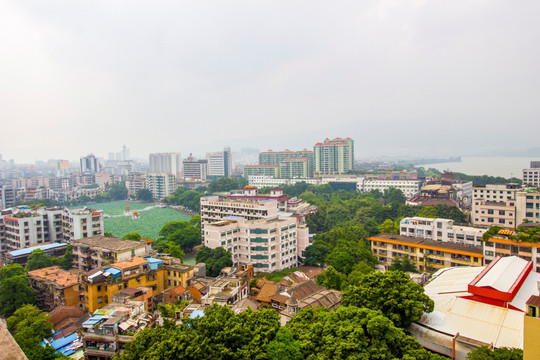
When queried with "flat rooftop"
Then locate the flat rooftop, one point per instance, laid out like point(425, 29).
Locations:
point(108, 243)
point(427, 243)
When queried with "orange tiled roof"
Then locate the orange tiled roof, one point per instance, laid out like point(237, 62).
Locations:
point(56, 275)
point(268, 289)
point(136, 261)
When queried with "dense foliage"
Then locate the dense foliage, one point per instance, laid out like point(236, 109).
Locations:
point(38, 259)
point(144, 195)
point(118, 192)
point(392, 292)
point(353, 333)
point(183, 234)
point(189, 199)
point(485, 353)
point(215, 259)
point(14, 289)
point(29, 326)
point(218, 335)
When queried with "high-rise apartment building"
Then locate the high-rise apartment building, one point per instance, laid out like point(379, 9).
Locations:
point(89, 163)
point(7, 196)
point(531, 176)
point(287, 160)
point(219, 163)
point(168, 163)
point(161, 185)
point(334, 156)
point(20, 229)
point(195, 168)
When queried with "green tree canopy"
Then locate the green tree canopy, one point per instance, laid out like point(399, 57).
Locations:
point(215, 259)
point(284, 347)
point(394, 293)
point(218, 335)
point(485, 353)
point(330, 278)
point(38, 260)
point(353, 333)
point(14, 289)
point(144, 195)
point(223, 184)
point(132, 236)
point(29, 326)
point(118, 192)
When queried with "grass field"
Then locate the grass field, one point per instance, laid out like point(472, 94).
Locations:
point(148, 225)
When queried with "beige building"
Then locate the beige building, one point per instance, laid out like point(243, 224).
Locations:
point(97, 251)
point(426, 255)
point(441, 230)
point(528, 206)
point(486, 213)
point(267, 244)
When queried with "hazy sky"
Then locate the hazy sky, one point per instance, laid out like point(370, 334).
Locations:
point(400, 77)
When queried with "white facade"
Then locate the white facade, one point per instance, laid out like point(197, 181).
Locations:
point(220, 163)
point(261, 181)
point(21, 229)
point(161, 185)
point(409, 187)
point(487, 213)
point(441, 230)
point(195, 169)
point(168, 163)
point(495, 192)
point(528, 206)
point(267, 244)
point(531, 176)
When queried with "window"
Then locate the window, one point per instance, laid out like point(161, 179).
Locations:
point(99, 288)
point(99, 299)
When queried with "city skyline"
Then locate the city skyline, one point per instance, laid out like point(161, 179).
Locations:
point(399, 77)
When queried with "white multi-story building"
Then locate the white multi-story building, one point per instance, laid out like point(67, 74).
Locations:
point(409, 187)
point(7, 196)
point(486, 213)
point(161, 185)
point(82, 223)
point(219, 163)
point(269, 244)
point(195, 169)
point(89, 163)
point(528, 206)
point(23, 228)
point(168, 163)
point(441, 230)
point(531, 176)
point(496, 192)
point(261, 181)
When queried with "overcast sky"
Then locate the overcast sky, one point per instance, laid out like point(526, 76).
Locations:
point(400, 77)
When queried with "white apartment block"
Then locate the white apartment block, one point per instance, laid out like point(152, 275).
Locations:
point(168, 163)
point(269, 244)
point(531, 176)
point(496, 192)
point(528, 206)
point(161, 185)
point(220, 163)
point(409, 187)
point(486, 213)
point(441, 230)
point(23, 228)
point(261, 181)
point(82, 223)
point(214, 208)
point(195, 169)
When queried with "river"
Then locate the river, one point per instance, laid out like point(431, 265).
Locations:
point(495, 166)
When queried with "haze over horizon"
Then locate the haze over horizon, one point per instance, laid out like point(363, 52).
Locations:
point(399, 77)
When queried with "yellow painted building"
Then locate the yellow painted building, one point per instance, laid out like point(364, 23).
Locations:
point(101, 285)
point(426, 255)
point(531, 329)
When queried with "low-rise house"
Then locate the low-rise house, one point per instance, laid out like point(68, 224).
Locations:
point(101, 284)
point(21, 256)
point(98, 251)
point(56, 287)
point(174, 294)
point(199, 288)
point(425, 254)
point(63, 317)
point(226, 291)
point(106, 332)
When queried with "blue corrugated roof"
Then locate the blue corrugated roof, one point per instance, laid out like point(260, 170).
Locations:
point(94, 320)
point(113, 271)
point(59, 343)
point(28, 250)
point(151, 260)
